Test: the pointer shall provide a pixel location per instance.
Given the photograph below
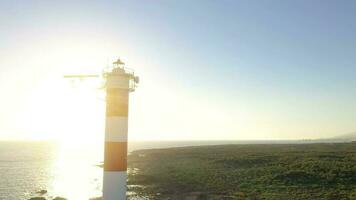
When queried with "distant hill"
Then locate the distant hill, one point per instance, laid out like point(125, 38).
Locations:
point(349, 136)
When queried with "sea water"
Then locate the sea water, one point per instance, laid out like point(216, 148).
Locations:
point(67, 171)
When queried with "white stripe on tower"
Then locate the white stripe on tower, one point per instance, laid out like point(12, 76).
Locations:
point(113, 185)
point(116, 129)
point(115, 158)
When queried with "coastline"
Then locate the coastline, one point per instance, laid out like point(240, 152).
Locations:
point(209, 172)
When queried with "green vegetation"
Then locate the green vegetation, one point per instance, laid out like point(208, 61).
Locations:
point(288, 171)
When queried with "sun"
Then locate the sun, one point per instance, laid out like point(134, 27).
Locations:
point(61, 111)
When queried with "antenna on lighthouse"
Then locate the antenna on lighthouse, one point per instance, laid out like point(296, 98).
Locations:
point(119, 81)
point(118, 62)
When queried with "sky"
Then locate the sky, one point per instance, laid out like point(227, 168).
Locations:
point(209, 70)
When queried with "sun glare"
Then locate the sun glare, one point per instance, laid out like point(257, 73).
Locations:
point(63, 111)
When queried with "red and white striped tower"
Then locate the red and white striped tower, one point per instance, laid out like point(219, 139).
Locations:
point(119, 82)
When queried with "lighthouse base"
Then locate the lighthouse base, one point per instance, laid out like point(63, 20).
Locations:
point(114, 185)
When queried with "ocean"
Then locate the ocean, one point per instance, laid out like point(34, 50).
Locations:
point(66, 170)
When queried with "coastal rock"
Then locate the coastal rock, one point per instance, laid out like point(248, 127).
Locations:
point(37, 198)
point(42, 192)
point(96, 198)
point(59, 198)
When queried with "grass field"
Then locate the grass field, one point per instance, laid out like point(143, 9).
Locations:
point(301, 171)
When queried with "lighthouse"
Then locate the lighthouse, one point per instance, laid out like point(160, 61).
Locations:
point(119, 83)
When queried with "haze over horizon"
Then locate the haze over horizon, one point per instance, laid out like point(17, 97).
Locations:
point(211, 70)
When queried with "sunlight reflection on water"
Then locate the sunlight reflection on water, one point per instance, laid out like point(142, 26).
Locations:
point(64, 170)
point(75, 173)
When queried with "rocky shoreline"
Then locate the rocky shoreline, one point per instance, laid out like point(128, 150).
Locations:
point(42, 194)
point(44, 198)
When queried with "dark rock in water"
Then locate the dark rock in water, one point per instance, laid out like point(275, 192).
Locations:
point(42, 192)
point(37, 198)
point(96, 198)
point(59, 198)
point(42, 198)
